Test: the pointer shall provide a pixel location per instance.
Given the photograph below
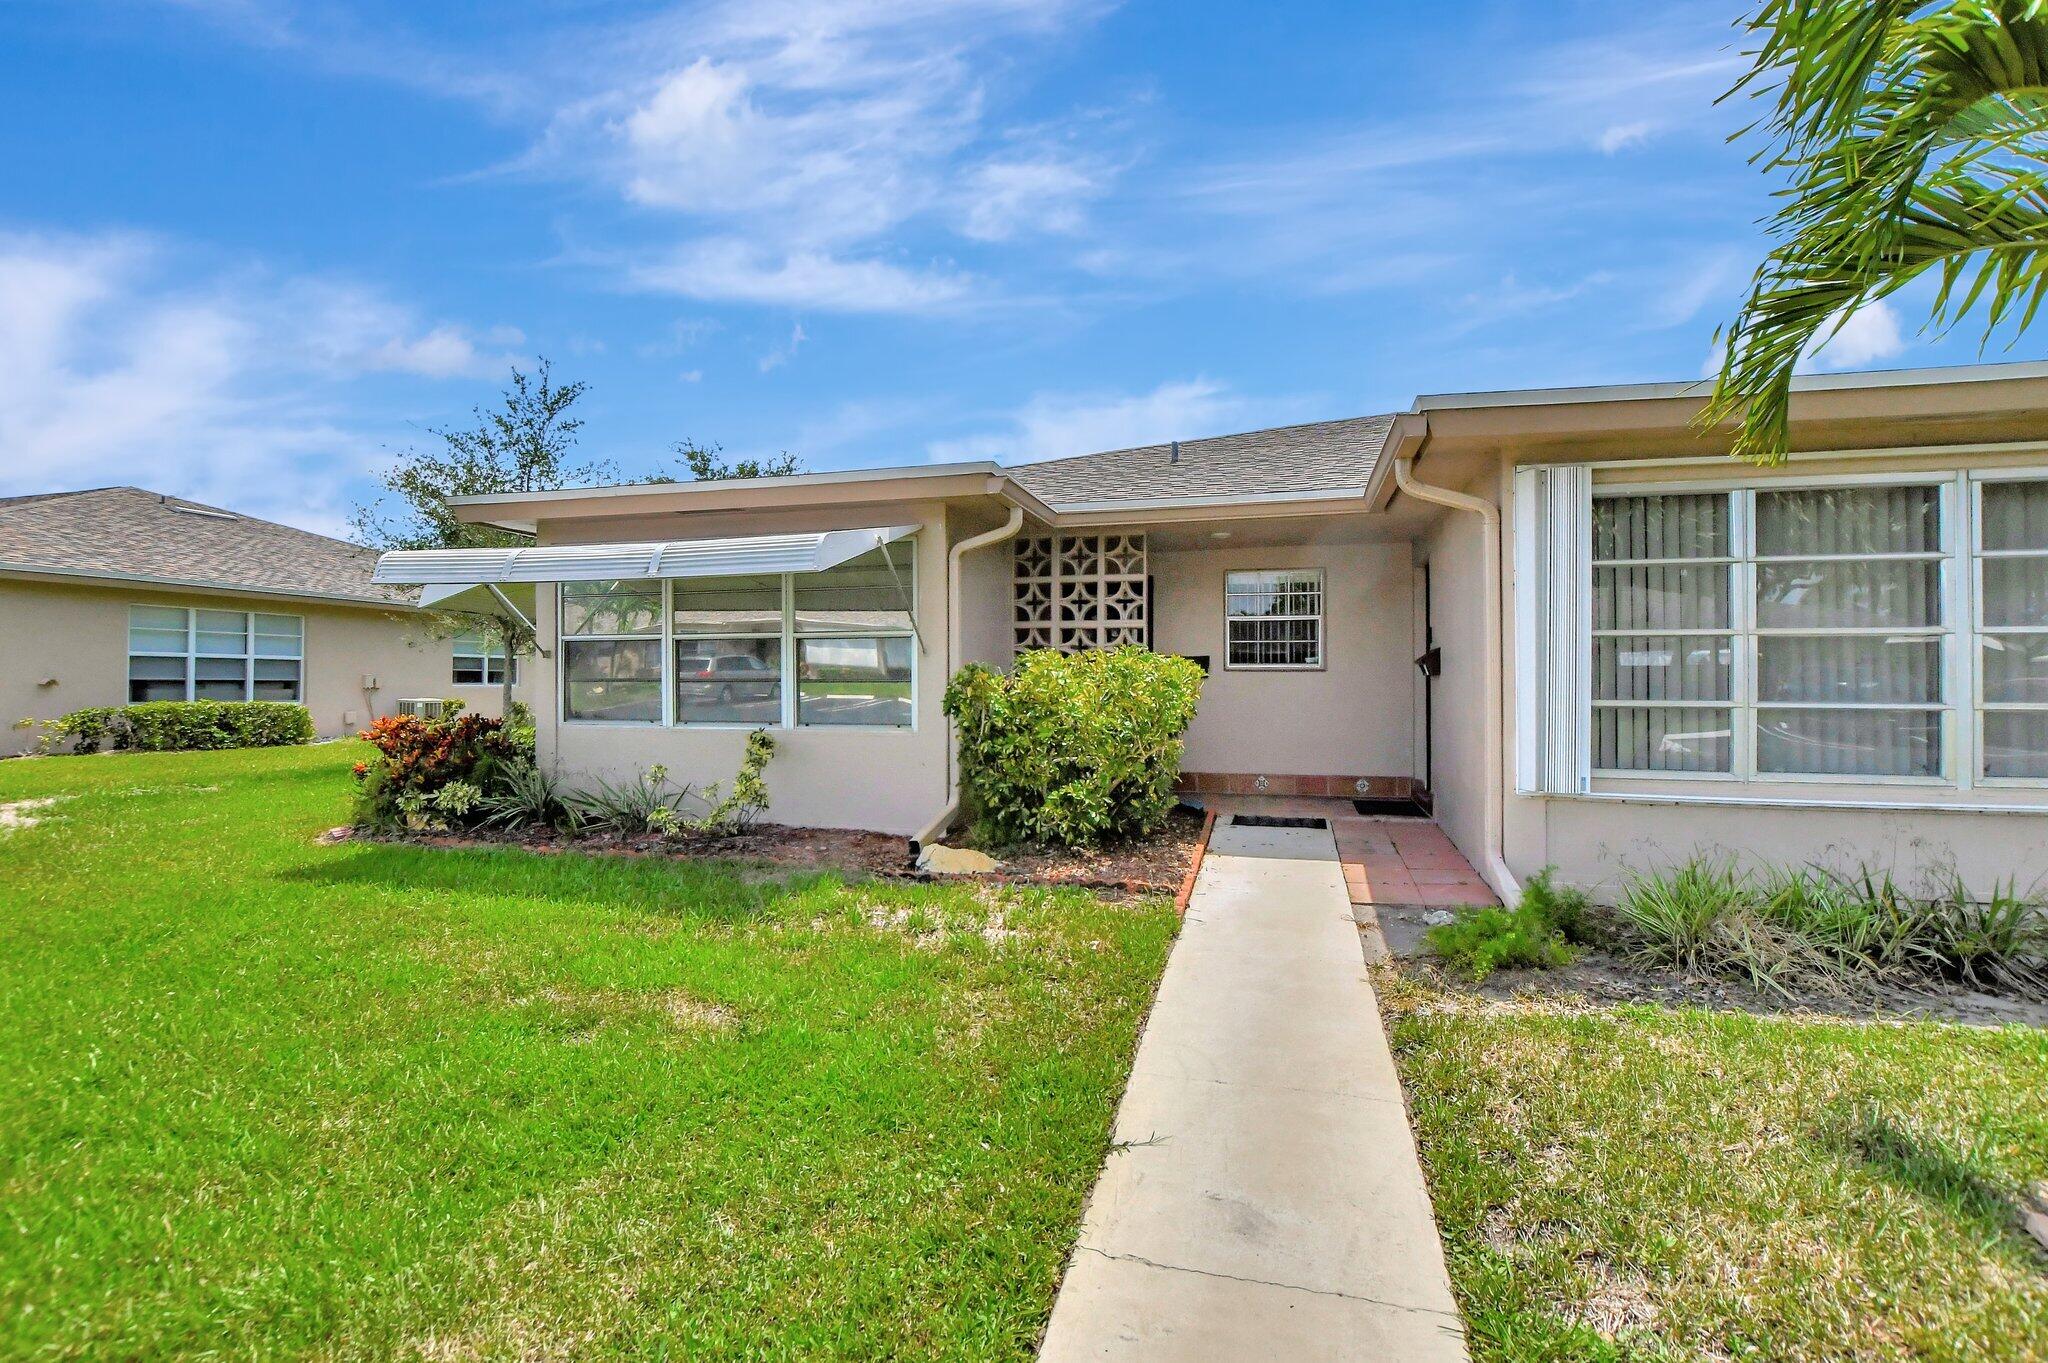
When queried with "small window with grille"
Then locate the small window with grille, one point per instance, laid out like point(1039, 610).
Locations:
point(1273, 621)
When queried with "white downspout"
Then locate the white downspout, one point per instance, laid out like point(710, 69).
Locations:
point(953, 556)
point(1494, 861)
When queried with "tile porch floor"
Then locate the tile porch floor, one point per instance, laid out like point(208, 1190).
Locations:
point(1385, 860)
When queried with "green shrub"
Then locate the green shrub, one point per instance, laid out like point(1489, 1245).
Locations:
point(521, 795)
point(417, 758)
point(1533, 934)
point(648, 803)
point(181, 726)
point(743, 805)
point(1074, 749)
point(519, 724)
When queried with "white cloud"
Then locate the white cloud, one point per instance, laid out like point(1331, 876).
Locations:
point(1619, 137)
point(791, 138)
point(691, 376)
point(1051, 425)
point(230, 390)
point(1869, 334)
point(784, 353)
point(726, 269)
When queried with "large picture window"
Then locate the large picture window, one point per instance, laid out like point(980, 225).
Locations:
point(1769, 633)
point(180, 653)
point(833, 648)
point(1273, 620)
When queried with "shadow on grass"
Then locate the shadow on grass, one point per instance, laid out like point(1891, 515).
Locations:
point(1936, 1171)
point(705, 891)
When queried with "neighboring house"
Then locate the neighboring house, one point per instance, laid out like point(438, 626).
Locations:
point(117, 594)
point(1563, 618)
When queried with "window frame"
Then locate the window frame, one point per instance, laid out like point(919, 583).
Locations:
point(250, 654)
point(1957, 670)
point(788, 635)
point(1977, 554)
point(1321, 616)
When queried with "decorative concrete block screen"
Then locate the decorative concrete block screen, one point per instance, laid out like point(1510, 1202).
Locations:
point(1072, 592)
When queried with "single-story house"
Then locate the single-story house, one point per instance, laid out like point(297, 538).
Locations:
point(1564, 620)
point(117, 594)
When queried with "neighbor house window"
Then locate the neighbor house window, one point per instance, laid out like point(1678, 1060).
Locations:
point(1772, 632)
point(611, 651)
point(1273, 620)
point(835, 648)
point(2012, 623)
point(176, 653)
point(481, 661)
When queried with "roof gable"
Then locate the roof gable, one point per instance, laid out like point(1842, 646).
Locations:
point(130, 532)
point(1330, 457)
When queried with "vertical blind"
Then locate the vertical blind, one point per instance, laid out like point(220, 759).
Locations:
point(1856, 631)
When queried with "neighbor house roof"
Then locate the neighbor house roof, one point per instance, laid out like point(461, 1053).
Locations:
point(133, 534)
point(1331, 458)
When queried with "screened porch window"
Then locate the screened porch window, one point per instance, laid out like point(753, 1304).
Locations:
point(836, 647)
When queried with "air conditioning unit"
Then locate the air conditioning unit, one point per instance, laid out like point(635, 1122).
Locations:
point(425, 707)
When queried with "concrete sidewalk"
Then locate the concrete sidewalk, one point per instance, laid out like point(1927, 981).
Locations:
point(1263, 1199)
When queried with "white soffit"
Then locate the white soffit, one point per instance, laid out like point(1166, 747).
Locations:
point(811, 552)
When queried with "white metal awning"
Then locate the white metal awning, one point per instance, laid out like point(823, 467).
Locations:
point(804, 553)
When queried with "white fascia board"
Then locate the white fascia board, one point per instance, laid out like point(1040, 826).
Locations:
point(1699, 388)
point(808, 552)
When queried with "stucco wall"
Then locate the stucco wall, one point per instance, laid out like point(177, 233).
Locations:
point(1353, 717)
point(77, 638)
point(1454, 550)
point(887, 780)
point(1592, 841)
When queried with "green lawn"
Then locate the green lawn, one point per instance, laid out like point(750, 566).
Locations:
point(262, 1097)
point(1643, 1183)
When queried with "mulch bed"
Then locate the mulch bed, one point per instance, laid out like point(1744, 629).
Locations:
point(1154, 865)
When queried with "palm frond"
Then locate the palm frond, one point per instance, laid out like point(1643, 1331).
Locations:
point(1917, 138)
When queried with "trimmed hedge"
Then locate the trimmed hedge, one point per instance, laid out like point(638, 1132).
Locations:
point(1073, 748)
point(186, 725)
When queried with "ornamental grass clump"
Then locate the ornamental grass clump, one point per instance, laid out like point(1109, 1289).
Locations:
point(1073, 749)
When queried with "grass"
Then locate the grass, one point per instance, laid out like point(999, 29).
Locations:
point(264, 1097)
point(1640, 1183)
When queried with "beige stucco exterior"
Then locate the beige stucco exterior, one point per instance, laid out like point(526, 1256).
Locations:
point(1363, 712)
point(886, 780)
point(64, 646)
point(1990, 835)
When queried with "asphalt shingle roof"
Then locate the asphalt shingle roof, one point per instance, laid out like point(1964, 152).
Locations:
point(1321, 456)
point(134, 533)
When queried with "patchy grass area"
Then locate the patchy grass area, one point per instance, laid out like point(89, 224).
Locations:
point(264, 1097)
point(1640, 1182)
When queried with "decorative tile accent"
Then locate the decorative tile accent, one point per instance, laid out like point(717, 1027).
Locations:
point(1073, 592)
point(1276, 783)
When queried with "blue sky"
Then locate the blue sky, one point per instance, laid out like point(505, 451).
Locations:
point(250, 248)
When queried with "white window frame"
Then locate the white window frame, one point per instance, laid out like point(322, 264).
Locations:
point(191, 654)
point(500, 654)
point(789, 635)
point(1958, 669)
point(1322, 661)
point(1974, 578)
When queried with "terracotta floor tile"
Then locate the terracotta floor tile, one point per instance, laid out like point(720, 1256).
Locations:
point(1442, 875)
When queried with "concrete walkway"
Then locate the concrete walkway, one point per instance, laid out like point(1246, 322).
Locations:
point(1263, 1199)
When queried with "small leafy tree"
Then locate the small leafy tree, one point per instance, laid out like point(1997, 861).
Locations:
point(525, 444)
point(705, 464)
